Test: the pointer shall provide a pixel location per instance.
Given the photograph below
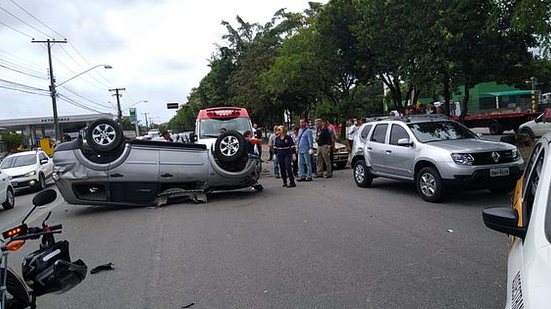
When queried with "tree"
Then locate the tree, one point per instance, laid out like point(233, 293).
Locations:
point(13, 140)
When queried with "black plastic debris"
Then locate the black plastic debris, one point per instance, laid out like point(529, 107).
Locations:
point(108, 266)
point(189, 306)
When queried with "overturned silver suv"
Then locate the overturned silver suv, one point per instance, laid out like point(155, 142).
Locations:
point(109, 170)
point(435, 153)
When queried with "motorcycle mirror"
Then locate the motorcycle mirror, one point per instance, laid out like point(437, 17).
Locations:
point(42, 198)
point(46, 219)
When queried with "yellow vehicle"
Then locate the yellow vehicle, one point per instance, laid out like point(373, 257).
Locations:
point(47, 145)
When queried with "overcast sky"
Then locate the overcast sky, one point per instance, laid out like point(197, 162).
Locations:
point(158, 50)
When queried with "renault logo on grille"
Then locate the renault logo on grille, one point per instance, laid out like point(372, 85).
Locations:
point(495, 156)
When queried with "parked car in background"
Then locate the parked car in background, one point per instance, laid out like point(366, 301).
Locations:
point(538, 127)
point(340, 154)
point(28, 169)
point(7, 195)
point(109, 170)
point(528, 221)
point(435, 153)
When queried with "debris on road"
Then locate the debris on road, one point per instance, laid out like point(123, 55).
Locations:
point(108, 266)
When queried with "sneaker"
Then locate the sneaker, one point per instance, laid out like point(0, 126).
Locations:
point(284, 185)
point(318, 176)
point(308, 179)
point(301, 179)
point(277, 176)
point(328, 176)
point(292, 185)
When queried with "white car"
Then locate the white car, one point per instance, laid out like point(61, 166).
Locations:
point(529, 224)
point(29, 169)
point(7, 197)
point(538, 127)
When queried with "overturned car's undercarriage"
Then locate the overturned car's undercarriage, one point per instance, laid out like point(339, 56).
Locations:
point(107, 170)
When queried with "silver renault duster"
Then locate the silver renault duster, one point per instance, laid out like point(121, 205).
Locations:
point(109, 170)
point(435, 153)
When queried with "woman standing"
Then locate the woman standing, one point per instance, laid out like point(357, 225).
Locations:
point(283, 145)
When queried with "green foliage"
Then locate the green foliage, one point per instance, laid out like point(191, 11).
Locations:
point(127, 125)
point(332, 59)
point(13, 140)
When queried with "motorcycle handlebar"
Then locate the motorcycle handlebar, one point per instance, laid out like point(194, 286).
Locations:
point(55, 227)
point(34, 235)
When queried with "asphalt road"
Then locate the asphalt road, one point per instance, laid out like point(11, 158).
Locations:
point(324, 244)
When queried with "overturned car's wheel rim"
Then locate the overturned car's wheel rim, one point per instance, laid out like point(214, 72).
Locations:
point(359, 173)
point(104, 134)
point(427, 184)
point(229, 146)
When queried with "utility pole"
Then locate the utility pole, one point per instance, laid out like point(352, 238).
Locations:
point(119, 111)
point(49, 43)
point(146, 123)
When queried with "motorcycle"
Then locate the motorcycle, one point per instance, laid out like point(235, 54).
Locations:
point(46, 270)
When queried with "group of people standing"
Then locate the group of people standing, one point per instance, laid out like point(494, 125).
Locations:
point(299, 147)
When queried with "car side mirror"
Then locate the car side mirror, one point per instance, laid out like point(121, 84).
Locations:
point(503, 219)
point(44, 161)
point(404, 142)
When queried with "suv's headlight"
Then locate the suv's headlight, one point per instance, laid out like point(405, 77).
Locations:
point(462, 158)
point(29, 174)
point(516, 155)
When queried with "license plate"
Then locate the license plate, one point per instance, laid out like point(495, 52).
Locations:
point(496, 172)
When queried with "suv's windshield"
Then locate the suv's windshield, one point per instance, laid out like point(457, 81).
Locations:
point(427, 132)
point(211, 127)
point(17, 161)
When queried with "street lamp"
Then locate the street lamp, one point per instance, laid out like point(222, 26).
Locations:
point(53, 93)
point(134, 104)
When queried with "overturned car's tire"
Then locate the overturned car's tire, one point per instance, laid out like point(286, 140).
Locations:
point(230, 146)
point(104, 135)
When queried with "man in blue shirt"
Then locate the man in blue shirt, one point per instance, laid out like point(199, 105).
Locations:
point(305, 143)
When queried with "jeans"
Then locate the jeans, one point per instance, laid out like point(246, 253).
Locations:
point(276, 166)
point(304, 165)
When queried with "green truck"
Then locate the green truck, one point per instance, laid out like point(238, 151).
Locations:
point(497, 107)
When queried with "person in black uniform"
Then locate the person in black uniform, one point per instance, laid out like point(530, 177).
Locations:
point(258, 135)
point(283, 145)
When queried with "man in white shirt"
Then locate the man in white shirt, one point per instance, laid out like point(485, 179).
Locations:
point(352, 132)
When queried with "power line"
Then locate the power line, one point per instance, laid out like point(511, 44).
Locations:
point(33, 65)
point(22, 85)
point(35, 18)
point(20, 67)
point(19, 19)
point(16, 30)
point(85, 98)
point(22, 90)
point(21, 72)
point(90, 75)
point(72, 71)
point(70, 44)
point(88, 63)
point(75, 103)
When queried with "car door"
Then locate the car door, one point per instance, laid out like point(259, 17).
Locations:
point(136, 179)
point(375, 148)
point(399, 160)
point(183, 165)
point(48, 167)
point(4, 182)
point(523, 252)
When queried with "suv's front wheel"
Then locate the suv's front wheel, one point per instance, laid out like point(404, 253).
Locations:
point(429, 184)
point(361, 175)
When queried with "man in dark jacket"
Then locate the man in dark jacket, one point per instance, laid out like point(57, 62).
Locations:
point(324, 141)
